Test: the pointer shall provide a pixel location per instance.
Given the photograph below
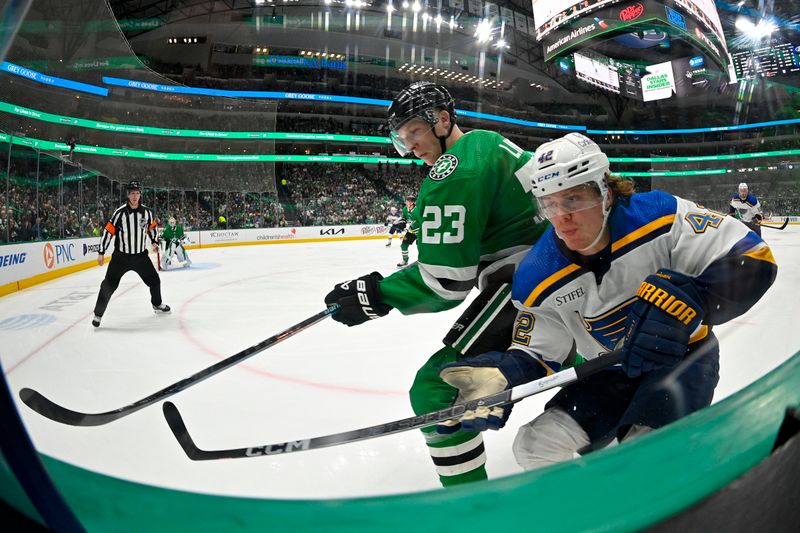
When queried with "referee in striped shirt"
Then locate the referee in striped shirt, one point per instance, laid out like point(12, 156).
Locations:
point(128, 227)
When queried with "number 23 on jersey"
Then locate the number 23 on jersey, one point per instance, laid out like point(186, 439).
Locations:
point(443, 224)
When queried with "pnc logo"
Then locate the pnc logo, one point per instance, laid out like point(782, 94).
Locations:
point(58, 254)
point(49, 256)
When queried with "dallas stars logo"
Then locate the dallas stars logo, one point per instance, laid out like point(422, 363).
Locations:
point(443, 167)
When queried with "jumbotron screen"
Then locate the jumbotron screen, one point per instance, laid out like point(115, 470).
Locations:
point(550, 14)
point(562, 25)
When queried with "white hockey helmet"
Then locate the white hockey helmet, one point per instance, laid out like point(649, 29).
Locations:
point(565, 163)
point(393, 210)
point(171, 221)
point(742, 186)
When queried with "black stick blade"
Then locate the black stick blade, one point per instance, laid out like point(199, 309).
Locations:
point(511, 395)
point(178, 428)
point(782, 226)
point(57, 413)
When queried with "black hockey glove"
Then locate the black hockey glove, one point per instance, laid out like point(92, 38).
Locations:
point(360, 300)
point(668, 309)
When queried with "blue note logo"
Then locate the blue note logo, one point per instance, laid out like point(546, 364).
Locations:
point(608, 328)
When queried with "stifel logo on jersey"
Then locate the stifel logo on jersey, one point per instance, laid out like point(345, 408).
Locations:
point(443, 167)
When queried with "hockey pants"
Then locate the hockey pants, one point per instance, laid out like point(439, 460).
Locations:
point(485, 326)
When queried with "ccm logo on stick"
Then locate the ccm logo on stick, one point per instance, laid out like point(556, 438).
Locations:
point(274, 449)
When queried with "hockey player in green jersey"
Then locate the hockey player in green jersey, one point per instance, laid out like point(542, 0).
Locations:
point(174, 237)
point(476, 221)
point(411, 229)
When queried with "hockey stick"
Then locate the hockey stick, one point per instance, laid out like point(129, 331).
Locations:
point(178, 427)
point(57, 413)
point(785, 223)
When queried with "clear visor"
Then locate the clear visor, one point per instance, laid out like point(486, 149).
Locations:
point(399, 144)
point(570, 201)
point(404, 142)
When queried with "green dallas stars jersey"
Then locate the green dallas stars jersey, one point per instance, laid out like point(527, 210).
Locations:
point(474, 208)
point(168, 234)
point(411, 222)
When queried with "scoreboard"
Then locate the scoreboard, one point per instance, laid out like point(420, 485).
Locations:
point(777, 60)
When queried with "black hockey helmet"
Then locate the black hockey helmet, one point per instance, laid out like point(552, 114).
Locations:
point(422, 100)
point(134, 186)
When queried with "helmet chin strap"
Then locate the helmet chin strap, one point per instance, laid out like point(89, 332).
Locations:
point(606, 211)
point(443, 139)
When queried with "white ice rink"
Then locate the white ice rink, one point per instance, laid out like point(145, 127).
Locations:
point(327, 379)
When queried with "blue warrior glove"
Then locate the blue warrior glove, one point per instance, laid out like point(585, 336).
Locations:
point(668, 309)
point(482, 375)
point(360, 300)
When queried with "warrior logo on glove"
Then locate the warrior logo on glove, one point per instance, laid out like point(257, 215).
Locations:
point(666, 302)
point(668, 310)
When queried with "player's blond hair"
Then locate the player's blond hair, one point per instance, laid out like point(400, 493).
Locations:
point(621, 187)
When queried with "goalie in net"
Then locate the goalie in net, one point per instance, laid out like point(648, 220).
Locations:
point(173, 238)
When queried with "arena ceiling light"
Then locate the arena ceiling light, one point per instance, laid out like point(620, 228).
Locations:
point(756, 32)
point(483, 31)
point(424, 71)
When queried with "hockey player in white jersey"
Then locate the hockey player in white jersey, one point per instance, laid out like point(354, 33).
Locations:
point(746, 208)
point(396, 224)
point(648, 273)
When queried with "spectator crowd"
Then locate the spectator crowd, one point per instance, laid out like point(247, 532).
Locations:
point(309, 195)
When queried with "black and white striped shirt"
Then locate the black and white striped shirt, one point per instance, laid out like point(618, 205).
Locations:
point(128, 227)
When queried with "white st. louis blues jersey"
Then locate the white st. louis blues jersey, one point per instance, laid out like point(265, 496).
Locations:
point(561, 301)
point(747, 209)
